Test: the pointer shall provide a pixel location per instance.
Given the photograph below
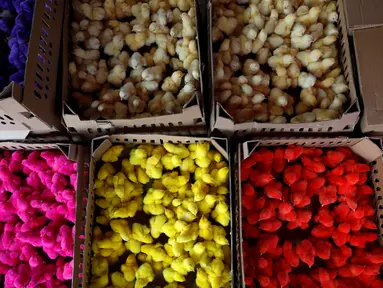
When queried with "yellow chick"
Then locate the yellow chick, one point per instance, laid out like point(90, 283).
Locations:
point(197, 251)
point(97, 236)
point(214, 249)
point(179, 149)
point(172, 181)
point(188, 165)
point(217, 274)
point(168, 228)
point(121, 227)
point(183, 265)
point(221, 213)
point(147, 147)
point(207, 204)
point(190, 234)
point(169, 214)
point(214, 156)
point(156, 252)
point(185, 191)
point(200, 190)
point(173, 285)
point(138, 156)
point(133, 246)
point(154, 166)
point(205, 229)
point(201, 154)
point(144, 275)
point(129, 171)
point(202, 280)
point(118, 280)
point(153, 195)
point(188, 246)
point(105, 170)
point(221, 190)
point(184, 215)
point(167, 199)
point(156, 223)
point(220, 176)
point(220, 235)
point(141, 233)
point(112, 154)
point(126, 209)
point(191, 206)
point(129, 268)
point(157, 184)
point(154, 209)
point(98, 184)
point(171, 276)
point(171, 161)
point(177, 249)
point(141, 175)
point(100, 270)
point(199, 172)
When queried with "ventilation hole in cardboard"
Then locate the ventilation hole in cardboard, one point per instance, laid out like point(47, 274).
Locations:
point(320, 130)
point(282, 129)
point(292, 130)
point(373, 163)
point(161, 141)
point(180, 123)
point(380, 206)
point(152, 141)
point(4, 123)
point(43, 40)
point(45, 33)
point(37, 94)
point(329, 129)
point(375, 171)
point(39, 76)
point(377, 180)
point(50, 53)
point(301, 129)
point(135, 140)
point(310, 129)
point(48, 79)
point(143, 141)
point(38, 85)
point(171, 124)
point(272, 129)
point(13, 123)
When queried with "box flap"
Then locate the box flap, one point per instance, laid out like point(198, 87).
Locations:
point(363, 13)
point(369, 63)
point(367, 149)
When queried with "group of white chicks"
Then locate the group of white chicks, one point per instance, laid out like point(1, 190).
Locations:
point(133, 59)
point(277, 60)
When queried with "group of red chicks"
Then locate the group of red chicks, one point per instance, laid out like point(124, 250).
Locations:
point(309, 219)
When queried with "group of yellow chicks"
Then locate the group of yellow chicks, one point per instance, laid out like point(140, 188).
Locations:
point(183, 193)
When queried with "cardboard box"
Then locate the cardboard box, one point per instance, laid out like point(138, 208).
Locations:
point(191, 115)
point(368, 53)
point(222, 121)
point(32, 109)
point(364, 147)
point(99, 146)
point(363, 14)
point(80, 154)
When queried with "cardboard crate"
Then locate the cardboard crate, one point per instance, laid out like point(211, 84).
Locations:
point(191, 115)
point(32, 108)
point(221, 119)
point(80, 155)
point(364, 147)
point(99, 146)
point(365, 27)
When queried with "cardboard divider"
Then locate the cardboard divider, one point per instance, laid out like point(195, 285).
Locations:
point(192, 113)
point(362, 14)
point(33, 108)
point(99, 146)
point(222, 121)
point(80, 155)
point(364, 147)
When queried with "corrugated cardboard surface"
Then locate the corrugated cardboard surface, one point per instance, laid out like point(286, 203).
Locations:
point(99, 146)
point(33, 107)
point(80, 154)
point(368, 51)
point(192, 113)
point(362, 14)
point(220, 119)
point(364, 147)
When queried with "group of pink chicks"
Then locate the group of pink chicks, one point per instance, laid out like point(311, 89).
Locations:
point(37, 216)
